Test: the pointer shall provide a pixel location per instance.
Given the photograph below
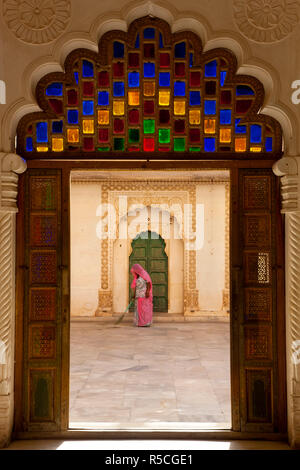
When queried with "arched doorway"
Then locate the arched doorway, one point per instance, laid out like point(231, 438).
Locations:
point(203, 116)
point(148, 250)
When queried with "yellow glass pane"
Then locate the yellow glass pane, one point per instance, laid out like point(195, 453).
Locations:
point(73, 135)
point(179, 108)
point(209, 126)
point(88, 126)
point(255, 149)
point(103, 117)
point(241, 144)
point(225, 136)
point(164, 98)
point(149, 88)
point(118, 108)
point(194, 116)
point(57, 144)
point(42, 149)
point(133, 98)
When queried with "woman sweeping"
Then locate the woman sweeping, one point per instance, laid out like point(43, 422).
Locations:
point(142, 293)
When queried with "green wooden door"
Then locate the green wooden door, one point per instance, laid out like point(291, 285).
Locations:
point(148, 250)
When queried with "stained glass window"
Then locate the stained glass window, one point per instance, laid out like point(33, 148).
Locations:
point(153, 93)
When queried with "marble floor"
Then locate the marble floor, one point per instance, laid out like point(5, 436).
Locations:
point(172, 374)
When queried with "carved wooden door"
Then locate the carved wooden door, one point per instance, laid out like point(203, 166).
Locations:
point(46, 289)
point(257, 303)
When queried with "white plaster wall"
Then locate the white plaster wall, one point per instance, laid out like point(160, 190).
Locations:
point(210, 262)
point(85, 249)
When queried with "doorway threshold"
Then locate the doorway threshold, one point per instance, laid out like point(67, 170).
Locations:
point(150, 426)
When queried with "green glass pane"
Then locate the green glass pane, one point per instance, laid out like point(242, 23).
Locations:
point(149, 126)
point(134, 135)
point(164, 136)
point(103, 149)
point(119, 143)
point(179, 144)
point(195, 149)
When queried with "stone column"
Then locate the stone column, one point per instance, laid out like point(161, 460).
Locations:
point(287, 168)
point(11, 166)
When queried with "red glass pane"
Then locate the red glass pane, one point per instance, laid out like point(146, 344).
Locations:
point(149, 107)
point(210, 88)
point(72, 98)
point(179, 69)
point(103, 79)
point(118, 126)
point(56, 105)
point(225, 97)
point(149, 51)
point(30, 129)
point(133, 59)
point(179, 126)
point(134, 116)
point(164, 59)
point(88, 88)
point(149, 144)
point(118, 69)
point(164, 149)
point(194, 135)
point(133, 149)
point(195, 78)
point(88, 143)
point(242, 106)
point(103, 135)
point(164, 116)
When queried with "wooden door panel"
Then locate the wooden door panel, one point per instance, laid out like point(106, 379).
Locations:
point(257, 300)
point(42, 301)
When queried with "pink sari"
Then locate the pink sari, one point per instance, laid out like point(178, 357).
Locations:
point(144, 304)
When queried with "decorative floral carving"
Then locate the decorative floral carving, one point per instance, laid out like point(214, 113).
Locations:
point(266, 20)
point(37, 21)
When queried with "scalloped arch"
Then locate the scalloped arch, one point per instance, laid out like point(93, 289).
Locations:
point(186, 137)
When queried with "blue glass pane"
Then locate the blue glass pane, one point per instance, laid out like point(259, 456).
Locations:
point(29, 144)
point(73, 116)
point(180, 50)
point(191, 59)
point(223, 77)
point(225, 116)
point(88, 108)
point(239, 129)
point(149, 70)
point(209, 144)
point(55, 89)
point(149, 33)
point(57, 127)
point(118, 49)
point(179, 88)
point(210, 106)
point(161, 42)
point(133, 79)
point(195, 98)
point(137, 42)
point(211, 69)
point(118, 88)
point(255, 134)
point(269, 144)
point(76, 76)
point(103, 98)
point(242, 90)
point(164, 79)
point(42, 132)
point(87, 69)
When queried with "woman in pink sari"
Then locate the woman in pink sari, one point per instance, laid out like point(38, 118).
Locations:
point(143, 305)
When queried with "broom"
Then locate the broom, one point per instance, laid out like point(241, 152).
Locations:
point(123, 314)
